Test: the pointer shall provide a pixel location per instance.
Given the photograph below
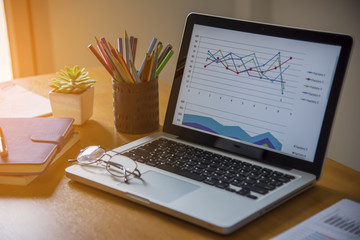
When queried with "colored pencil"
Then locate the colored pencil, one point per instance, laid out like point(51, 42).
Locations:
point(164, 62)
point(101, 51)
point(120, 45)
point(123, 70)
point(151, 47)
point(133, 48)
point(166, 50)
point(145, 72)
point(101, 60)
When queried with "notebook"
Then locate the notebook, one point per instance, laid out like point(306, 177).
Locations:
point(23, 180)
point(33, 143)
point(248, 98)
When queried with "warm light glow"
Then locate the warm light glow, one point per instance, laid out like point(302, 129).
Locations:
point(5, 61)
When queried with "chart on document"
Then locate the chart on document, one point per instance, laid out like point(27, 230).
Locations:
point(253, 89)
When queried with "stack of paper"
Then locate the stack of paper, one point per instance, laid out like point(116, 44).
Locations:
point(339, 221)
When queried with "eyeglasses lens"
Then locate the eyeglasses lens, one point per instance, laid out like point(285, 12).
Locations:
point(121, 166)
point(90, 154)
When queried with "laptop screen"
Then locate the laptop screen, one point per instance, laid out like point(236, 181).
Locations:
point(267, 91)
point(257, 86)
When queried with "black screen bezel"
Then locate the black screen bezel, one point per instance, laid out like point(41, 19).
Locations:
point(270, 157)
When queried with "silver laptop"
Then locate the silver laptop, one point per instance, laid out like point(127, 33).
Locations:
point(246, 128)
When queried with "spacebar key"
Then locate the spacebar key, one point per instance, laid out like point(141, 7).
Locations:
point(180, 172)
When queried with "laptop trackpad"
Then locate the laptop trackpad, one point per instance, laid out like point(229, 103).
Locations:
point(157, 186)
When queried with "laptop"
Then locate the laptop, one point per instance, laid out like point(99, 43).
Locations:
point(247, 123)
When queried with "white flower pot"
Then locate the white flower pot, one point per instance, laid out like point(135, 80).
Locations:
point(77, 106)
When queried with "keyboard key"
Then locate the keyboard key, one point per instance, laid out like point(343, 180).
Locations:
point(256, 189)
point(230, 189)
point(210, 181)
point(265, 186)
point(222, 185)
point(289, 176)
point(283, 179)
point(243, 192)
point(250, 181)
point(237, 183)
point(252, 196)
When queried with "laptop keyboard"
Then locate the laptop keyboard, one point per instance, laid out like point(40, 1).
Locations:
point(223, 172)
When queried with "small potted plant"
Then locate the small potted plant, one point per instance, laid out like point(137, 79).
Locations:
point(72, 94)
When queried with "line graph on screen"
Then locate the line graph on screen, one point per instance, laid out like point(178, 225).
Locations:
point(272, 70)
point(247, 71)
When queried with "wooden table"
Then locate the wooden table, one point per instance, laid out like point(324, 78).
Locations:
point(54, 207)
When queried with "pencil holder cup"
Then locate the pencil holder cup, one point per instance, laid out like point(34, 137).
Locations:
point(136, 106)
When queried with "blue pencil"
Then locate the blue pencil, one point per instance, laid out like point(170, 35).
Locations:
point(151, 47)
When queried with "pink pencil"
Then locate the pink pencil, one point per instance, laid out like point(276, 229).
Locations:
point(102, 52)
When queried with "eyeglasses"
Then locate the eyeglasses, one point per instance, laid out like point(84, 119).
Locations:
point(117, 165)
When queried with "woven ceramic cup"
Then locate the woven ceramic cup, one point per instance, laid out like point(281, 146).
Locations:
point(136, 106)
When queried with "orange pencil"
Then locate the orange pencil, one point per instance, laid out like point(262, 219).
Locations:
point(146, 68)
point(125, 67)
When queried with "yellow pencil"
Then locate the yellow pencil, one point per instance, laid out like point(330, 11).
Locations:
point(123, 67)
point(126, 68)
point(134, 73)
point(128, 71)
point(115, 65)
point(113, 52)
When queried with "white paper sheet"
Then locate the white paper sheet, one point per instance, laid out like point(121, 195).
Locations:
point(339, 221)
point(16, 101)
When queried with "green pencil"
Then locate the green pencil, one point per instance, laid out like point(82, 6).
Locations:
point(164, 62)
